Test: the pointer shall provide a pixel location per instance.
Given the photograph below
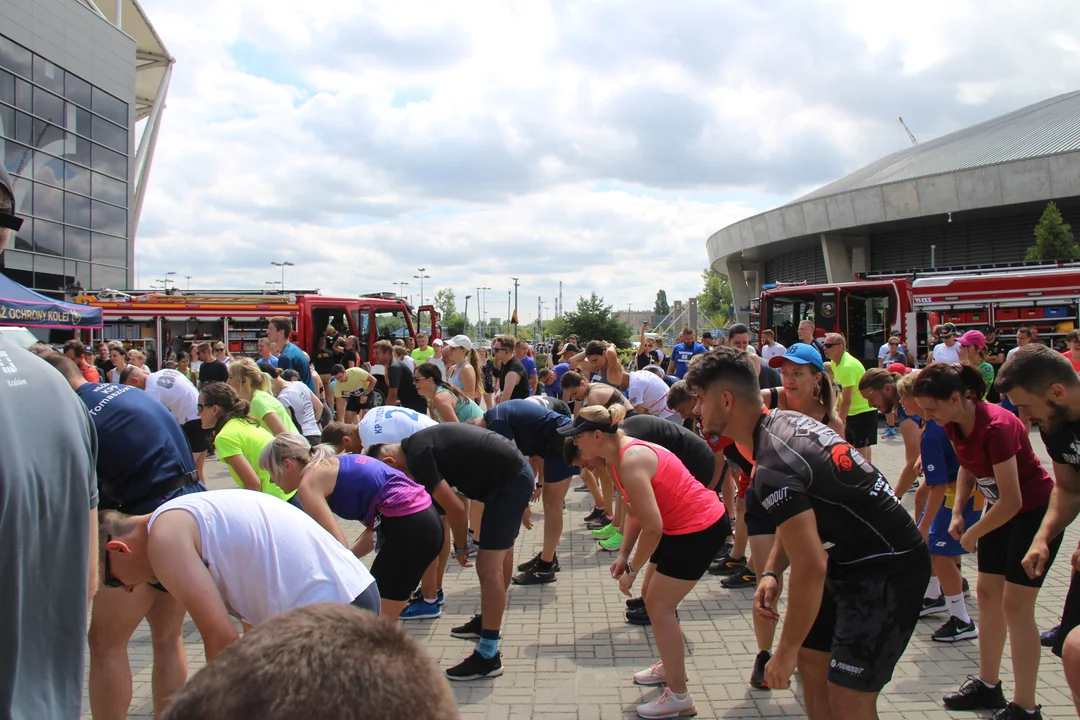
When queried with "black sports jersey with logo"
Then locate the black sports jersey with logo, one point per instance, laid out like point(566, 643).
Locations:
point(1063, 447)
point(803, 465)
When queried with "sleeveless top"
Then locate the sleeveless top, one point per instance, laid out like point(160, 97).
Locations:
point(455, 376)
point(686, 506)
point(464, 409)
point(367, 487)
point(774, 404)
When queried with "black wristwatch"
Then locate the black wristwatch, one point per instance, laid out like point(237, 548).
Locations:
point(770, 573)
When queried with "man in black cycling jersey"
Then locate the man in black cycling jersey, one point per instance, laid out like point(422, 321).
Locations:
point(858, 562)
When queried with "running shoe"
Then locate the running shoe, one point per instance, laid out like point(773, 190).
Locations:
point(915, 485)
point(476, 666)
point(933, 606)
point(668, 706)
point(605, 532)
point(727, 566)
point(955, 629)
point(652, 675)
point(470, 630)
point(975, 694)
point(473, 549)
point(420, 610)
point(743, 579)
point(534, 576)
point(419, 597)
point(757, 676)
point(596, 514)
point(638, 616)
point(531, 563)
point(966, 587)
point(612, 543)
point(1012, 711)
point(601, 522)
point(1049, 637)
point(637, 602)
point(889, 433)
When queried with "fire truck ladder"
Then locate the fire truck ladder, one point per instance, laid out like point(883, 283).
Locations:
point(992, 268)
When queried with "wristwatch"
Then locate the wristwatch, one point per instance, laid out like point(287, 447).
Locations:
point(460, 550)
point(770, 573)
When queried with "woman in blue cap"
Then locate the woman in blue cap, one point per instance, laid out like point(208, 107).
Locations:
point(806, 387)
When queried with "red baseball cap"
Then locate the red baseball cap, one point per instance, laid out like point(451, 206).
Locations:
point(898, 368)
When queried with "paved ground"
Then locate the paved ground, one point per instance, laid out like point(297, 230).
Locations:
point(569, 654)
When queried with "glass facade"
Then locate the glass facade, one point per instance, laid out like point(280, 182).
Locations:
point(65, 144)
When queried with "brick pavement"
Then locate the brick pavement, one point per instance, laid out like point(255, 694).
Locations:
point(569, 654)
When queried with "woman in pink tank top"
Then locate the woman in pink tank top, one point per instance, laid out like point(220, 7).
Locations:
point(676, 524)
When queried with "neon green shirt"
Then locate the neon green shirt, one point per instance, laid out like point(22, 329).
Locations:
point(240, 437)
point(848, 372)
point(356, 380)
point(420, 356)
point(263, 403)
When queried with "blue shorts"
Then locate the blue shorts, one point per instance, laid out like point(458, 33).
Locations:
point(556, 469)
point(941, 542)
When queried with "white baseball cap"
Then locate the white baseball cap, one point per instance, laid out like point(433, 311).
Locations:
point(460, 341)
point(437, 341)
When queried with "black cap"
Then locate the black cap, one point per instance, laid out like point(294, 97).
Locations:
point(581, 425)
point(571, 348)
point(8, 220)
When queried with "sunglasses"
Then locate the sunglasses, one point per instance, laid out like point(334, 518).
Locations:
point(200, 406)
point(894, 344)
point(109, 581)
point(7, 220)
point(833, 344)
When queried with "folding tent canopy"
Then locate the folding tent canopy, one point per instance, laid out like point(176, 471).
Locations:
point(21, 306)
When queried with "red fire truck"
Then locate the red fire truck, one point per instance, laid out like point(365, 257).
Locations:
point(1040, 296)
point(162, 324)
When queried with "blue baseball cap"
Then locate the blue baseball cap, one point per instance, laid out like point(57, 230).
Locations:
point(801, 354)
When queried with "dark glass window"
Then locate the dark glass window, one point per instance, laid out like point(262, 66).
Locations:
point(76, 179)
point(23, 238)
point(108, 219)
point(48, 137)
point(48, 202)
point(77, 90)
point(14, 57)
point(77, 243)
point(109, 162)
point(48, 273)
point(103, 276)
point(48, 106)
point(18, 266)
point(108, 134)
point(109, 107)
point(78, 149)
point(82, 275)
point(7, 122)
point(7, 87)
point(48, 169)
point(17, 159)
point(76, 210)
point(48, 75)
point(114, 191)
point(23, 95)
point(24, 128)
point(48, 238)
point(83, 121)
point(109, 249)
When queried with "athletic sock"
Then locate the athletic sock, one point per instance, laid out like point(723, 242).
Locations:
point(681, 696)
point(489, 644)
point(988, 684)
point(958, 608)
point(933, 589)
point(431, 601)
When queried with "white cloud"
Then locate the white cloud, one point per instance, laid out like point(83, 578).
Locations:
point(594, 142)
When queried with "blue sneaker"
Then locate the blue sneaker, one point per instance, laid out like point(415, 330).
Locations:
point(418, 597)
point(421, 611)
point(890, 432)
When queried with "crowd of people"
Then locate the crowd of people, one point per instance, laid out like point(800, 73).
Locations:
point(714, 457)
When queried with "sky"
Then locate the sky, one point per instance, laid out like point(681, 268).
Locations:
point(594, 142)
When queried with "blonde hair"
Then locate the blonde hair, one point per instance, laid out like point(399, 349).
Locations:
point(905, 386)
point(292, 446)
point(242, 369)
point(604, 415)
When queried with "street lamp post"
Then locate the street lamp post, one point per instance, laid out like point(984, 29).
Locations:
point(421, 278)
point(171, 272)
point(480, 310)
point(401, 288)
point(466, 330)
point(515, 305)
point(188, 278)
point(272, 283)
point(282, 265)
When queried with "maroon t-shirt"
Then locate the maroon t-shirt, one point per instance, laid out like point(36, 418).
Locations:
point(997, 436)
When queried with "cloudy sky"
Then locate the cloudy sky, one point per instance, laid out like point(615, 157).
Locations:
point(594, 142)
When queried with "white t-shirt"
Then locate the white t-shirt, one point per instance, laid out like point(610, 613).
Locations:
point(391, 425)
point(176, 392)
point(297, 396)
point(268, 557)
point(768, 352)
point(650, 391)
point(946, 354)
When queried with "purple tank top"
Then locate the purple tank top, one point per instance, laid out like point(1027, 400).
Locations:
point(367, 487)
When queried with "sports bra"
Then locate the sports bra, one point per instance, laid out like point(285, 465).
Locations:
point(774, 404)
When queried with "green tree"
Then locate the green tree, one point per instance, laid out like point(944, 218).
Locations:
point(453, 322)
point(593, 320)
point(662, 307)
point(715, 301)
point(1053, 238)
point(556, 327)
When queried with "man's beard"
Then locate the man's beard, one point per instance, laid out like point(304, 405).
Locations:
point(1059, 415)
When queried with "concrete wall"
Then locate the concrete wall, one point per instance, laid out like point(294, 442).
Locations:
point(74, 37)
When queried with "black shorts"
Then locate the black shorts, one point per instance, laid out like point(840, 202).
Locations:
point(503, 509)
point(861, 429)
point(687, 557)
point(409, 544)
point(866, 619)
point(1070, 614)
point(556, 469)
point(1000, 551)
point(354, 404)
point(196, 436)
point(757, 518)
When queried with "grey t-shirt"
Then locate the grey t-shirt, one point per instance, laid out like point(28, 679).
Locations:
point(48, 485)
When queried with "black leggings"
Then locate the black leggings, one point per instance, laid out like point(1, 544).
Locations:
point(410, 543)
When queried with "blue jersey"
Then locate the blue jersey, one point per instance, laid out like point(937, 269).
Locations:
point(140, 444)
point(292, 358)
point(940, 464)
point(682, 354)
point(530, 367)
point(555, 389)
point(533, 427)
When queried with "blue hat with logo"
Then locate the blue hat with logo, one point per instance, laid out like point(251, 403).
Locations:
point(801, 354)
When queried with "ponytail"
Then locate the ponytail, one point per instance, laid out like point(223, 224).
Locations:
point(605, 416)
point(292, 446)
point(942, 380)
point(474, 361)
point(233, 407)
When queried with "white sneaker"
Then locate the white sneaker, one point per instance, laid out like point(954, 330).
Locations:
point(668, 706)
point(653, 675)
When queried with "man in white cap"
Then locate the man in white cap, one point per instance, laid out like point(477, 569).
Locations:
point(439, 358)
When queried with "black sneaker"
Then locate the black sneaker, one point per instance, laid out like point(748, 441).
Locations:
point(955, 629)
point(975, 694)
point(534, 576)
point(743, 579)
point(531, 563)
point(476, 666)
point(602, 521)
point(727, 566)
point(933, 607)
point(966, 588)
point(596, 514)
point(638, 616)
point(637, 602)
point(1049, 637)
point(757, 677)
point(468, 631)
point(1012, 711)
